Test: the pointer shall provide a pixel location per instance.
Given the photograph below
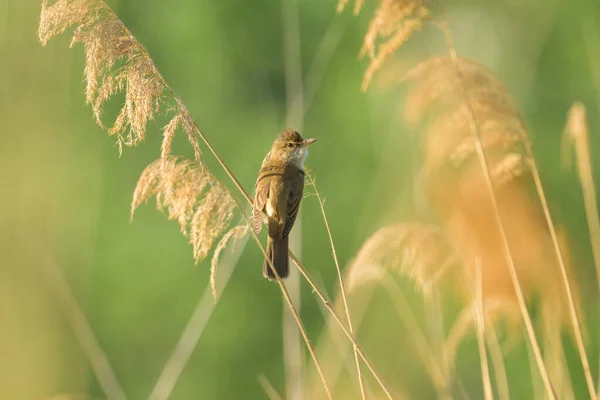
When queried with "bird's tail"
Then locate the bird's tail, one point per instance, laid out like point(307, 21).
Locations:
point(277, 252)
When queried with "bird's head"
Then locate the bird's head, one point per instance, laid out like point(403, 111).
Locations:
point(290, 147)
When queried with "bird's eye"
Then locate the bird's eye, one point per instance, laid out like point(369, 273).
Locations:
point(290, 145)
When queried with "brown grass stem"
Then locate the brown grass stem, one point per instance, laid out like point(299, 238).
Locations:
point(361, 382)
point(338, 320)
point(488, 179)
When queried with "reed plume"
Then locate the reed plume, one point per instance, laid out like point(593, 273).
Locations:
point(394, 23)
point(115, 62)
point(192, 196)
point(455, 188)
point(416, 250)
point(478, 171)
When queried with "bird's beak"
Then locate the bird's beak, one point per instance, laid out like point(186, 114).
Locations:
point(308, 142)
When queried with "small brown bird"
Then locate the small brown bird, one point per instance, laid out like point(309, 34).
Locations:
point(278, 192)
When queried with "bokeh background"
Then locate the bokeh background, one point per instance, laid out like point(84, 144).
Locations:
point(65, 193)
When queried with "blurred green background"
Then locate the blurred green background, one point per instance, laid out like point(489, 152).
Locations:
point(65, 193)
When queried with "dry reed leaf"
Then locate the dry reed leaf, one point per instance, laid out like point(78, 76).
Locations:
point(416, 250)
point(234, 234)
point(191, 195)
point(116, 62)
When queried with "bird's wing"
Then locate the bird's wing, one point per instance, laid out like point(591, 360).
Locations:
point(294, 198)
point(263, 187)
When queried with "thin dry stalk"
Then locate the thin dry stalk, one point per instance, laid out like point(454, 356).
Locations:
point(361, 382)
point(333, 346)
point(498, 362)
point(578, 133)
point(554, 354)
point(268, 388)
point(575, 322)
point(537, 385)
point(487, 174)
point(480, 330)
point(340, 350)
point(338, 320)
point(290, 304)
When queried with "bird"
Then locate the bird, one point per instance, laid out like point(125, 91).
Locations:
point(278, 192)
